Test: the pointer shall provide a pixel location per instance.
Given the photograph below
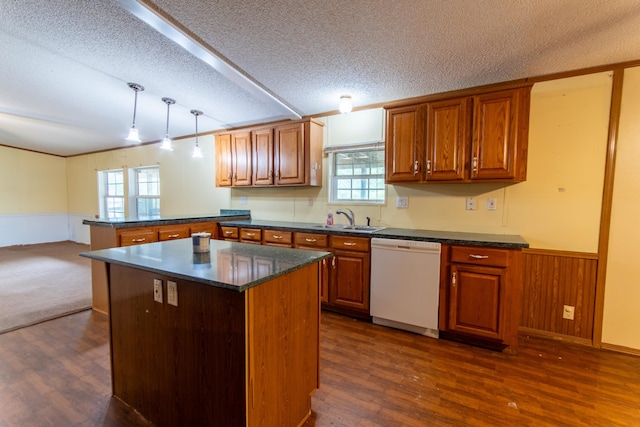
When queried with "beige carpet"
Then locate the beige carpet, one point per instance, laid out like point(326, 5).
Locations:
point(42, 282)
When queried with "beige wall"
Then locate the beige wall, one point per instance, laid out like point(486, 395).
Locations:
point(622, 291)
point(32, 183)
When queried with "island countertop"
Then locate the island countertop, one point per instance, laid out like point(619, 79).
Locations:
point(230, 265)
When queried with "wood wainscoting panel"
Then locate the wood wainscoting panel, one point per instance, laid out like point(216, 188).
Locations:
point(553, 279)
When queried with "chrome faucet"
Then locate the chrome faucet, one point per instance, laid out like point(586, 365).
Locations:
point(350, 216)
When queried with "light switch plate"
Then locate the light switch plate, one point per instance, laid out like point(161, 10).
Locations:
point(471, 204)
point(243, 200)
point(172, 293)
point(157, 290)
point(402, 202)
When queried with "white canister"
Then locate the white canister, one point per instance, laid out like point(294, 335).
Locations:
point(201, 242)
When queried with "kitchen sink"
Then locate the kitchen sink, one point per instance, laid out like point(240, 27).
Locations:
point(355, 228)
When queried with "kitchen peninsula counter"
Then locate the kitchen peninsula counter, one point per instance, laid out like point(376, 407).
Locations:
point(234, 343)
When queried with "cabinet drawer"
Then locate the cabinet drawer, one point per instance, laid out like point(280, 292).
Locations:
point(228, 232)
point(250, 235)
point(277, 237)
point(349, 243)
point(137, 237)
point(204, 227)
point(312, 240)
point(172, 233)
point(480, 256)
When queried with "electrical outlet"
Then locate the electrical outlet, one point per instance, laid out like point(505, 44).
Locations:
point(157, 290)
point(568, 312)
point(471, 204)
point(243, 200)
point(402, 202)
point(310, 201)
point(172, 293)
point(492, 203)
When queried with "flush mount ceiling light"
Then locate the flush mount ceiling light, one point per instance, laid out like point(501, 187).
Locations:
point(166, 141)
point(345, 104)
point(197, 153)
point(133, 132)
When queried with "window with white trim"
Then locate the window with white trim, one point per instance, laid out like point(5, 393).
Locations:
point(111, 191)
point(357, 176)
point(145, 192)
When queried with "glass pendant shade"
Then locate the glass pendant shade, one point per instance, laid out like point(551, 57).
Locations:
point(345, 105)
point(133, 132)
point(197, 152)
point(166, 141)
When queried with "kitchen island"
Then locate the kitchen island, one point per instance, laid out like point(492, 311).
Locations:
point(224, 338)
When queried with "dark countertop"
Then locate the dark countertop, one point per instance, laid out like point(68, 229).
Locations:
point(237, 266)
point(168, 220)
point(510, 241)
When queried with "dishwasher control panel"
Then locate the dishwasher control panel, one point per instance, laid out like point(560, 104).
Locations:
point(407, 244)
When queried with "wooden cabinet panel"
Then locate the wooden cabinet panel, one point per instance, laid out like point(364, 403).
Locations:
point(224, 165)
point(500, 128)
point(312, 241)
point(480, 256)
point(251, 235)
point(289, 155)
point(229, 233)
point(205, 227)
point(262, 156)
point(137, 236)
point(172, 232)
point(475, 305)
point(350, 243)
point(349, 286)
point(278, 238)
point(404, 146)
point(448, 132)
point(241, 146)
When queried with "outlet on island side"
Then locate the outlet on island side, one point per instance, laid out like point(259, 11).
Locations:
point(172, 293)
point(157, 290)
point(568, 311)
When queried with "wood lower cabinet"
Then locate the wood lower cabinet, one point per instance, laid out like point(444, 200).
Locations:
point(251, 235)
point(482, 294)
point(229, 233)
point(350, 274)
point(277, 238)
point(136, 236)
point(317, 242)
point(173, 232)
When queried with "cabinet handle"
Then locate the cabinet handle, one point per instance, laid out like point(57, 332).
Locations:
point(349, 244)
point(333, 262)
point(311, 240)
point(454, 276)
point(139, 240)
point(428, 166)
point(251, 234)
point(229, 175)
point(276, 236)
point(173, 236)
point(228, 233)
point(415, 167)
point(475, 163)
point(478, 256)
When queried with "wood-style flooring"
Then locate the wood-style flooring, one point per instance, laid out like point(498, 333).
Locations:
point(57, 374)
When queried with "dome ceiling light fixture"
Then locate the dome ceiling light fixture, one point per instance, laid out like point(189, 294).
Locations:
point(197, 152)
point(133, 132)
point(166, 141)
point(345, 105)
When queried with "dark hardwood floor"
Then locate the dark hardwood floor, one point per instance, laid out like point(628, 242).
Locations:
point(57, 374)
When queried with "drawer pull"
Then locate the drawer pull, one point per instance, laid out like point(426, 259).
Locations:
point(349, 244)
point(276, 236)
point(478, 256)
point(173, 236)
point(454, 276)
point(228, 233)
point(139, 240)
point(251, 234)
point(311, 240)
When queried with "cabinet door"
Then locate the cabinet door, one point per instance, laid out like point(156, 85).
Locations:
point(263, 156)
point(500, 129)
point(448, 132)
point(290, 155)
point(476, 299)
point(324, 280)
point(404, 147)
point(224, 170)
point(349, 286)
point(241, 143)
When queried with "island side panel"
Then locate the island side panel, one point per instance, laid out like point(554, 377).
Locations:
point(283, 317)
point(181, 365)
point(101, 238)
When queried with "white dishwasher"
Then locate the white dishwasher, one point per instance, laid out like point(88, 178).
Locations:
point(405, 284)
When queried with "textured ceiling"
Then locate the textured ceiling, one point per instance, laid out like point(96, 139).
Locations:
point(64, 64)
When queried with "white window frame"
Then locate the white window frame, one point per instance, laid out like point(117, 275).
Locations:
point(333, 178)
point(135, 195)
point(107, 199)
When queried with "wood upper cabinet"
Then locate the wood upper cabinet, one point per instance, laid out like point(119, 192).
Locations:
point(262, 156)
point(448, 132)
point(224, 164)
point(241, 158)
point(500, 135)
point(290, 155)
point(405, 144)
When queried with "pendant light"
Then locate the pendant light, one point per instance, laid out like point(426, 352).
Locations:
point(345, 105)
point(197, 153)
point(133, 132)
point(166, 141)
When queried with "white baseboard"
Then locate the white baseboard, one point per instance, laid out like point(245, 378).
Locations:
point(42, 228)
